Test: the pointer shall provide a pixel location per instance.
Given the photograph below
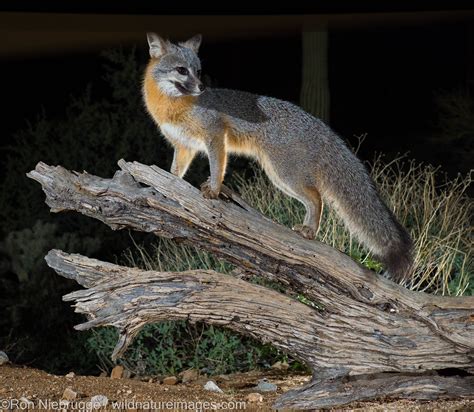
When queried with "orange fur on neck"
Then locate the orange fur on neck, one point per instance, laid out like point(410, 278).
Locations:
point(163, 108)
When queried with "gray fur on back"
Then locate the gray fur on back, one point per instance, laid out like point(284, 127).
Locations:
point(303, 147)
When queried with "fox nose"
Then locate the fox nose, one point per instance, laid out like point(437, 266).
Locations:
point(201, 87)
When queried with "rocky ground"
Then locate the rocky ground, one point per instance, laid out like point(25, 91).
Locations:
point(44, 391)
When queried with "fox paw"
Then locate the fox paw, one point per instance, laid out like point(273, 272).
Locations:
point(305, 231)
point(208, 192)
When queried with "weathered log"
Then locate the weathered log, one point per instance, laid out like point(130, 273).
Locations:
point(363, 324)
point(329, 393)
point(130, 298)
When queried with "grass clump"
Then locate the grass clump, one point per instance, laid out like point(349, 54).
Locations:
point(439, 218)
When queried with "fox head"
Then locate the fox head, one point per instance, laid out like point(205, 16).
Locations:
point(178, 69)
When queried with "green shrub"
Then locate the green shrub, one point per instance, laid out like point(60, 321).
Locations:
point(171, 347)
point(92, 136)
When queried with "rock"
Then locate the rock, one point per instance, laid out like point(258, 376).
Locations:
point(189, 375)
point(280, 366)
point(126, 374)
point(117, 372)
point(211, 386)
point(71, 375)
point(254, 397)
point(170, 380)
point(69, 394)
point(201, 380)
point(99, 401)
point(3, 358)
point(147, 378)
point(265, 386)
point(224, 378)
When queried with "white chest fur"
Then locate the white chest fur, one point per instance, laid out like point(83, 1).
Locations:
point(178, 134)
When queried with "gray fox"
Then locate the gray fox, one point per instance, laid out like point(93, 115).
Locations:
point(300, 154)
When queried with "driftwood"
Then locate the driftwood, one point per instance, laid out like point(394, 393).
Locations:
point(363, 337)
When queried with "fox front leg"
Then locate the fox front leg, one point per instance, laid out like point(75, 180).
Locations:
point(182, 158)
point(217, 164)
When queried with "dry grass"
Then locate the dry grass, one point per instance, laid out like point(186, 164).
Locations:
point(438, 217)
point(167, 256)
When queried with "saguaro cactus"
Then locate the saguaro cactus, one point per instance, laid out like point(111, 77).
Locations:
point(315, 96)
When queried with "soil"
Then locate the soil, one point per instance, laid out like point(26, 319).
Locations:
point(43, 389)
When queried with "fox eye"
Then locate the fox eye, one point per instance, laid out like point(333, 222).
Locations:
point(199, 73)
point(182, 70)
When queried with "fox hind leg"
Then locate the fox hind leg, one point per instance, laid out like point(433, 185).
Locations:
point(301, 190)
point(313, 203)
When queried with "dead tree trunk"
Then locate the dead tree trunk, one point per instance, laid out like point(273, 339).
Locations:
point(366, 337)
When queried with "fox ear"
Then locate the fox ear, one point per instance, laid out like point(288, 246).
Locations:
point(158, 46)
point(193, 43)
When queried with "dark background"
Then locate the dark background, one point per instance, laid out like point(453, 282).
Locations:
point(387, 68)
